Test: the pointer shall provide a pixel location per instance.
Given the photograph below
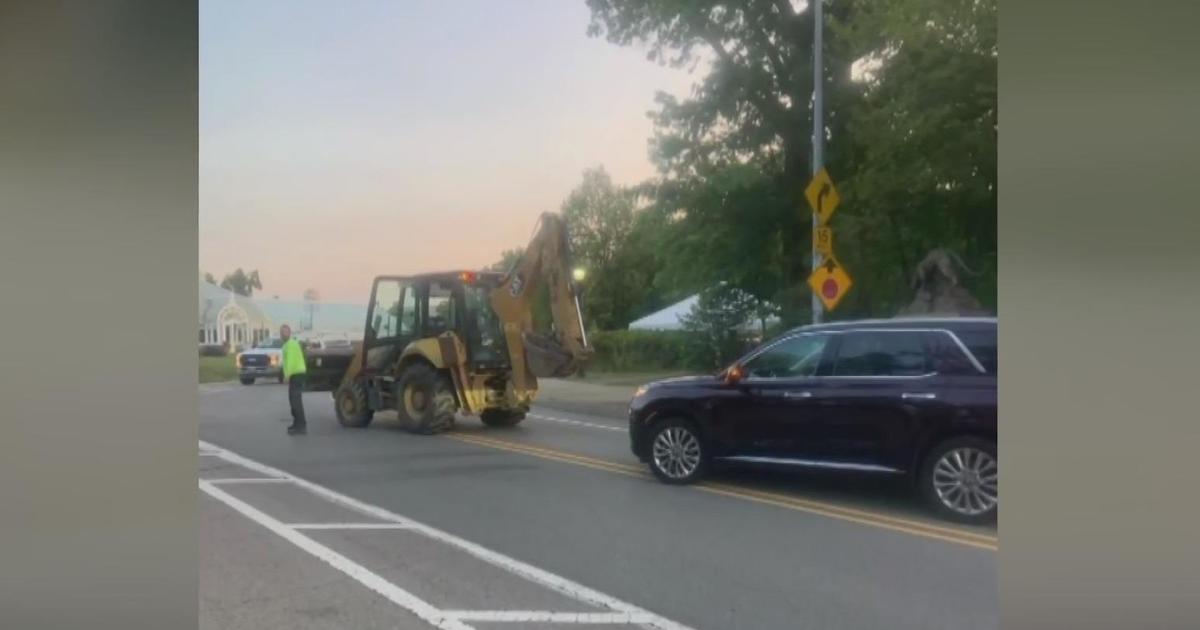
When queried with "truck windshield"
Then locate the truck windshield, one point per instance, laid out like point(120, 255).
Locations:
point(485, 335)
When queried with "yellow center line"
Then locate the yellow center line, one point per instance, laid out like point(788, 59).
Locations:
point(873, 519)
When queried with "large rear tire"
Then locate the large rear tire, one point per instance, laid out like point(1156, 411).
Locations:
point(425, 400)
point(350, 402)
point(501, 418)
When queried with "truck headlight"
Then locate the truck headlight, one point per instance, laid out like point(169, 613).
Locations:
point(274, 359)
point(237, 360)
point(641, 391)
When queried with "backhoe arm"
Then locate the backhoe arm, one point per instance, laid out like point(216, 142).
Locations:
point(546, 262)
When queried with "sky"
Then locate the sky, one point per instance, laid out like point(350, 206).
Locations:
point(340, 141)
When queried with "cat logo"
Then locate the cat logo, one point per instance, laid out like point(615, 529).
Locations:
point(517, 285)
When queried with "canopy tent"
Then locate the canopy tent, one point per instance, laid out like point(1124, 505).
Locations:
point(671, 318)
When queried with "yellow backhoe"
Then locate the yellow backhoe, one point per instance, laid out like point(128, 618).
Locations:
point(462, 342)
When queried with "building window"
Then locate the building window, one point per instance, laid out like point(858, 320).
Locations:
point(202, 332)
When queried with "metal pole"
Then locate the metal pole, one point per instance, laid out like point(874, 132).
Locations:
point(818, 137)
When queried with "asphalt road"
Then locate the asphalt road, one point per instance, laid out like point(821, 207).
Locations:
point(563, 494)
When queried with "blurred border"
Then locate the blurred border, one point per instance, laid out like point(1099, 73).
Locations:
point(1100, 314)
point(98, 400)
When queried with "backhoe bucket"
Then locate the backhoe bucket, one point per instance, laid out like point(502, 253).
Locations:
point(546, 357)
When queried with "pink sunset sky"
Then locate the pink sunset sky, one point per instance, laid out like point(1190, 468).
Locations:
point(339, 141)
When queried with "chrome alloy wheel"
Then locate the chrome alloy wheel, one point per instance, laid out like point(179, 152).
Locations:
point(966, 481)
point(676, 452)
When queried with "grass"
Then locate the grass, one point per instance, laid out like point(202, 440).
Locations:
point(217, 369)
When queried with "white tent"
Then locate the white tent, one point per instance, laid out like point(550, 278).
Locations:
point(671, 318)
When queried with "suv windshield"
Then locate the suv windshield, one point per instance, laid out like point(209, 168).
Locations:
point(270, 343)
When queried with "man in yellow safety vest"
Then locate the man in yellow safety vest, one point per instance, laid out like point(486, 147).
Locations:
point(294, 371)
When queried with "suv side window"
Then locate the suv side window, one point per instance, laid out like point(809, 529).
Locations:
point(881, 353)
point(792, 358)
point(982, 344)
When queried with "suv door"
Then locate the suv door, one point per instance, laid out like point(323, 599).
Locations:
point(878, 391)
point(776, 416)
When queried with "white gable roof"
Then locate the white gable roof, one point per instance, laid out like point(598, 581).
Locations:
point(669, 318)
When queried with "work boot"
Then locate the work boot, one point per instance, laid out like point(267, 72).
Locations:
point(297, 430)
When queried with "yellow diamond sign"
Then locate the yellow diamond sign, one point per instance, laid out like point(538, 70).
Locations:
point(830, 282)
point(822, 196)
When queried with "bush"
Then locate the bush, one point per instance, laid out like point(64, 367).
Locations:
point(643, 351)
point(213, 350)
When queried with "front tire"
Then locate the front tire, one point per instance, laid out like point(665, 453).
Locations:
point(677, 452)
point(350, 403)
point(425, 400)
point(246, 380)
point(501, 418)
point(960, 480)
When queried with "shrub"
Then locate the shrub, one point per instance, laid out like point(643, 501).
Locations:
point(643, 351)
point(213, 350)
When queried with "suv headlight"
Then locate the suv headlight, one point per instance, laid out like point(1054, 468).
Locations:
point(274, 359)
point(237, 360)
point(641, 391)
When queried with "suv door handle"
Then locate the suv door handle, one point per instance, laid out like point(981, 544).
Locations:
point(918, 396)
point(797, 394)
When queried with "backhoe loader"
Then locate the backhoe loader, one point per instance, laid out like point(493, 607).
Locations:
point(463, 342)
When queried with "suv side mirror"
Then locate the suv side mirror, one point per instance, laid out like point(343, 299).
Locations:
point(734, 374)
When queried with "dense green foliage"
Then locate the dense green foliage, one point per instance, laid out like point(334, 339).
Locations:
point(641, 350)
point(911, 130)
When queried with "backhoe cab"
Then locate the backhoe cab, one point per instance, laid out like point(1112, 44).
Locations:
point(459, 342)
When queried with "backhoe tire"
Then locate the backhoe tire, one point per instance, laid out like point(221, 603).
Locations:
point(501, 418)
point(425, 400)
point(350, 403)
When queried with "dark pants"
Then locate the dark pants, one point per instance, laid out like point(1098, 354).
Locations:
point(295, 386)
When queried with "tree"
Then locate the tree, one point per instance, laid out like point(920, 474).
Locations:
point(242, 283)
point(716, 319)
point(208, 277)
point(600, 219)
point(919, 152)
point(508, 259)
point(910, 124)
point(734, 157)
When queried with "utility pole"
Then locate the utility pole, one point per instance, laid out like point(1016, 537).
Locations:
point(818, 136)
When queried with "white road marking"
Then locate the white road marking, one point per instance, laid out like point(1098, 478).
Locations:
point(544, 616)
point(359, 573)
point(574, 590)
point(349, 526)
point(580, 423)
point(247, 480)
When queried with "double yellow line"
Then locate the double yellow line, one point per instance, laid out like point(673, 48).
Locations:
point(863, 517)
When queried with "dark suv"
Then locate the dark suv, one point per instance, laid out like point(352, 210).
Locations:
point(898, 396)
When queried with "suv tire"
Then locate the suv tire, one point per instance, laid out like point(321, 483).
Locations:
point(425, 400)
point(350, 403)
point(678, 454)
point(246, 380)
point(960, 480)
